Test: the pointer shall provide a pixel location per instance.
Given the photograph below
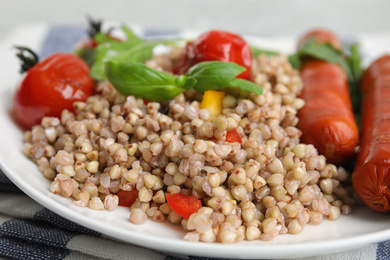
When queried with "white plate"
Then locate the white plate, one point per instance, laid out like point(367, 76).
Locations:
point(361, 228)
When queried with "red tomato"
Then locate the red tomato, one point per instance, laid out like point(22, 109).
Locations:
point(50, 87)
point(183, 205)
point(216, 45)
point(232, 136)
point(127, 198)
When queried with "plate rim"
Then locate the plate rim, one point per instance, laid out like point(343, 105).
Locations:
point(184, 247)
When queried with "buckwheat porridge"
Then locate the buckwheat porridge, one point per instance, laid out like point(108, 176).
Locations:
point(262, 183)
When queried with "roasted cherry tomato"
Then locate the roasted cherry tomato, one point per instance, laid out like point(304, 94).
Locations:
point(183, 205)
point(127, 198)
point(216, 45)
point(50, 86)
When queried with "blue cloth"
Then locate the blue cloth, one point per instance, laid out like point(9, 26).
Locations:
point(30, 231)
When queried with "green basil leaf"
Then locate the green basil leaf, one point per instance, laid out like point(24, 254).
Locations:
point(257, 51)
point(321, 51)
point(138, 80)
point(190, 83)
point(327, 53)
point(186, 82)
point(354, 61)
point(295, 61)
point(355, 64)
point(213, 75)
point(131, 37)
point(87, 54)
point(103, 38)
point(246, 85)
point(104, 52)
point(142, 51)
point(108, 49)
point(133, 49)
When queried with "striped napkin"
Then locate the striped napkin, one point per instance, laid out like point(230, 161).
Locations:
point(30, 231)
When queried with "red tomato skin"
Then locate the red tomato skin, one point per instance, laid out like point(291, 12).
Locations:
point(232, 136)
point(89, 43)
point(50, 87)
point(219, 46)
point(127, 198)
point(183, 205)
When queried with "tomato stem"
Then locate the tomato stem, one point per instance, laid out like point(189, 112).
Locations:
point(27, 57)
point(94, 27)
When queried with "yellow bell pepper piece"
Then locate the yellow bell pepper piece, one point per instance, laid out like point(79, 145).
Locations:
point(212, 100)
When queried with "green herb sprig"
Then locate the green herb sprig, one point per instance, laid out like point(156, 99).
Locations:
point(133, 49)
point(354, 61)
point(322, 51)
point(132, 78)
